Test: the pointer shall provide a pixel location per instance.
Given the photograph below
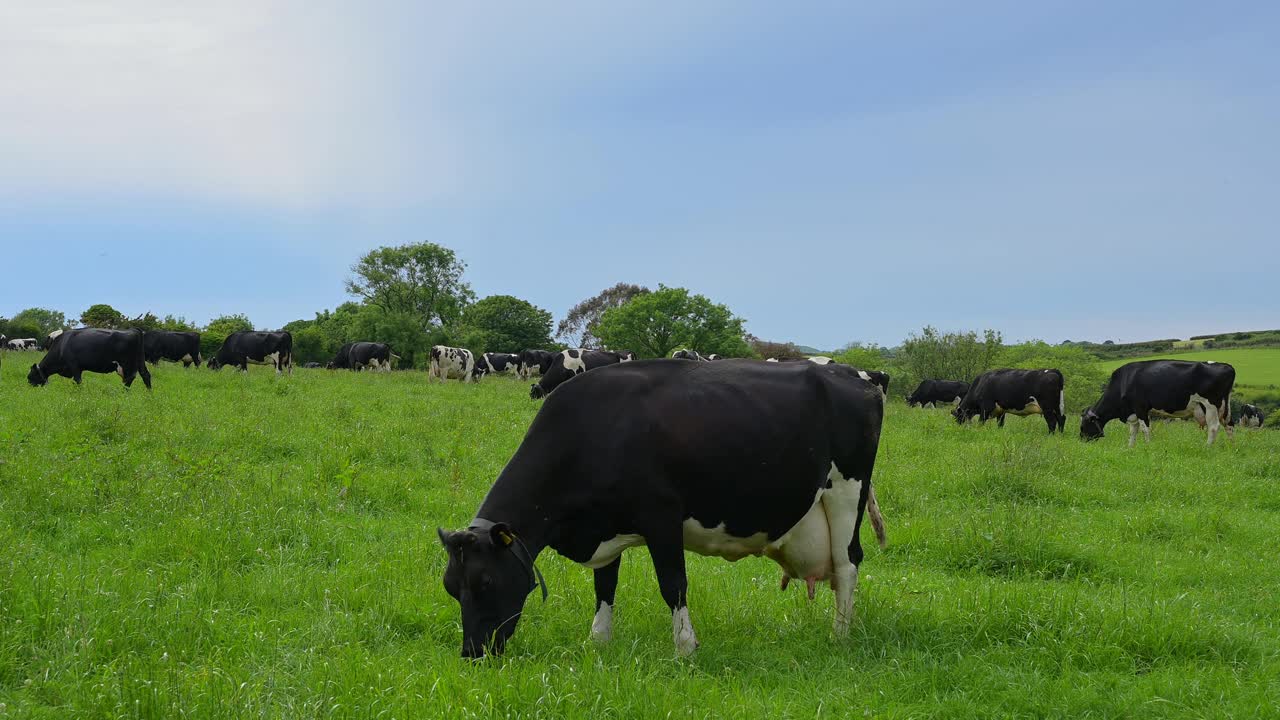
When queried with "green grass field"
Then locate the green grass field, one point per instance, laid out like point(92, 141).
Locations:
point(1254, 366)
point(235, 545)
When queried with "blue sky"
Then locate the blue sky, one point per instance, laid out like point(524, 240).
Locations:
point(831, 171)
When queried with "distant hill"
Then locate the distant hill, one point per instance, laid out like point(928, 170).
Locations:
point(809, 350)
point(1244, 339)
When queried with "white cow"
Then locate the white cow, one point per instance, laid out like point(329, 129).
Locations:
point(450, 362)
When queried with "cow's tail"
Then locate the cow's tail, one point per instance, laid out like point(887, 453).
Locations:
point(877, 520)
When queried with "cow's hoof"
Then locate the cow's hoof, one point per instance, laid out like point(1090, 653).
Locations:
point(602, 625)
point(682, 630)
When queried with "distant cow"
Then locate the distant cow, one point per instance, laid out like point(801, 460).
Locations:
point(686, 354)
point(357, 356)
point(494, 363)
point(312, 365)
point(997, 393)
point(575, 362)
point(1162, 388)
point(932, 392)
point(875, 377)
point(183, 347)
point(252, 346)
point(93, 350)
point(534, 362)
point(22, 344)
point(1252, 416)
point(451, 362)
point(713, 357)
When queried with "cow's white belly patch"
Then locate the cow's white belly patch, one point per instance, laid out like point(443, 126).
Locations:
point(1031, 408)
point(1195, 407)
point(719, 543)
point(610, 550)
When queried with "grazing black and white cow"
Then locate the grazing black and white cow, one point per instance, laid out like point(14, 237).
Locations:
point(1251, 416)
point(183, 347)
point(22, 344)
point(932, 392)
point(574, 362)
point(535, 362)
point(93, 350)
point(997, 393)
point(713, 357)
point(357, 356)
point(1163, 388)
point(687, 354)
point(253, 346)
point(875, 377)
point(731, 459)
point(494, 363)
point(451, 362)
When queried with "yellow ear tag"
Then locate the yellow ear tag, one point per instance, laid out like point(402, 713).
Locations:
point(506, 538)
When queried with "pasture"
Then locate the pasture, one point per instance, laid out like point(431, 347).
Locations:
point(235, 545)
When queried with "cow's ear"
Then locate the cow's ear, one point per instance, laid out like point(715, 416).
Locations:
point(501, 535)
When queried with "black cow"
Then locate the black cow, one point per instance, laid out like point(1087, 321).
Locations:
point(687, 354)
point(494, 363)
point(357, 356)
point(1252, 416)
point(93, 350)
point(1163, 388)
point(183, 347)
point(730, 459)
point(932, 392)
point(252, 346)
point(574, 362)
point(533, 362)
point(997, 393)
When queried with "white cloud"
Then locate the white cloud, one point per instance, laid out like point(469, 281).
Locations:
point(272, 102)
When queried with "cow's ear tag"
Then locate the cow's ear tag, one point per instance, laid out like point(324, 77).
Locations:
point(506, 537)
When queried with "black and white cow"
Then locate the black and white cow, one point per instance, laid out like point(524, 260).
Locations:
point(253, 346)
point(1251, 416)
point(535, 363)
point(875, 377)
point(357, 356)
point(713, 357)
point(22, 344)
point(932, 392)
point(312, 366)
point(183, 347)
point(731, 459)
point(93, 350)
point(451, 362)
point(997, 393)
point(495, 363)
point(687, 354)
point(574, 362)
point(1162, 388)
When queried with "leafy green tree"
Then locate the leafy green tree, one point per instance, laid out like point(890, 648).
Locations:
point(218, 329)
point(934, 355)
point(765, 349)
point(502, 323)
point(145, 321)
point(309, 345)
point(102, 316)
point(655, 324)
point(43, 320)
point(578, 328)
point(422, 281)
point(179, 324)
point(869, 357)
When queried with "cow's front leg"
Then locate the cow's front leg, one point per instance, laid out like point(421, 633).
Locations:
point(666, 547)
point(606, 585)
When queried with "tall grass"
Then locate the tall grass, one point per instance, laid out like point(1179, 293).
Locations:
point(233, 545)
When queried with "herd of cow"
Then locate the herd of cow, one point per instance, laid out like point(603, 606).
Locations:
point(726, 458)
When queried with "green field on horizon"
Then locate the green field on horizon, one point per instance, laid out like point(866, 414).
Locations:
point(1254, 366)
point(247, 545)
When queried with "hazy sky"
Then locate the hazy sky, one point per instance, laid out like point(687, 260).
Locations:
point(842, 171)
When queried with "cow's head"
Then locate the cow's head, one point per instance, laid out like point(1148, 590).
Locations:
point(911, 400)
point(536, 392)
point(213, 363)
point(962, 413)
point(490, 573)
point(1090, 425)
point(36, 376)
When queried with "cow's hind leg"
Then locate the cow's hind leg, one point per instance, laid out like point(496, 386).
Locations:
point(1211, 421)
point(606, 579)
point(841, 504)
point(666, 548)
point(146, 375)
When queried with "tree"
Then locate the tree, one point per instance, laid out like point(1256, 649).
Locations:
point(932, 355)
point(502, 323)
point(867, 357)
point(218, 329)
point(656, 323)
point(145, 321)
point(43, 320)
point(766, 349)
point(578, 328)
point(423, 281)
point(102, 316)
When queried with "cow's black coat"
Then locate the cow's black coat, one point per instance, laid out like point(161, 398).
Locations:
point(997, 392)
point(938, 391)
point(93, 350)
point(171, 345)
point(246, 346)
point(1138, 389)
point(359, 355)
